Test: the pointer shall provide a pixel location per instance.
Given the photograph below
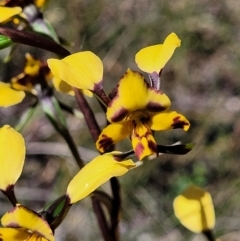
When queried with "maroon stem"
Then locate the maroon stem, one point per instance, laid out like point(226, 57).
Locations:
point(9, 193)
point(95, 132)
point(102, 222)
point(34, 40)
point(116, 203)
point(88, 114)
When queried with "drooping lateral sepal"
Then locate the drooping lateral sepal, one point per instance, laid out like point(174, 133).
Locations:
point(96, 173)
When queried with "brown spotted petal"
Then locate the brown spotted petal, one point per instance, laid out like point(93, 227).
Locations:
point(157, 101)
point(113, 133)
point(133, 94)
point(143, 141)
point(168, 120)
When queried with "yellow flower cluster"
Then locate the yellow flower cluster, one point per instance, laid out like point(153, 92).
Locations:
point(89, 178)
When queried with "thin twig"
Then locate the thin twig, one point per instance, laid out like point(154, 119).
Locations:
point(88, 114)
point(102, 222)
point(34, 40)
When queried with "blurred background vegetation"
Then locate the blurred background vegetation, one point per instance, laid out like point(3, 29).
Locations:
point(201, 79)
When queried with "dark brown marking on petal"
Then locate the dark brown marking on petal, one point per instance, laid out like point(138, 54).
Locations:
point(152, 146)
point(155, 107)
point(148, 135)
point(178, 123)
point(25, 80)
point(105, 142)
point(119, 115)
point(113, 93)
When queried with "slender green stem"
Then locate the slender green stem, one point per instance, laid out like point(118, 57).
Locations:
point(25, 117)
point(53, 112)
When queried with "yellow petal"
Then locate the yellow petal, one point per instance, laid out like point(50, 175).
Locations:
point(39, 3)
point(88, 93)
point(153, 58)
point(96, 173)
point(168, 120)
point(113, 133)
point(23, 82)
point(82, 70)
point(12, 153)
point(7, 12)
point(194, 209)
point(32, 65)
point(13, 234)
point(133, 93)
point(62, 86)
point(143, 141)
point(22, 217)
point(9, 96)
point(65, 88)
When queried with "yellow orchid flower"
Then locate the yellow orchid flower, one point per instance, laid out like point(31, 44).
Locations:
point(96, 173)
point(12, 153)
point(83, 70)
point(135, 111)
point(34, 70)
point(153, 58)
point(194, 209)
point(8, 12)
point(22, 223)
